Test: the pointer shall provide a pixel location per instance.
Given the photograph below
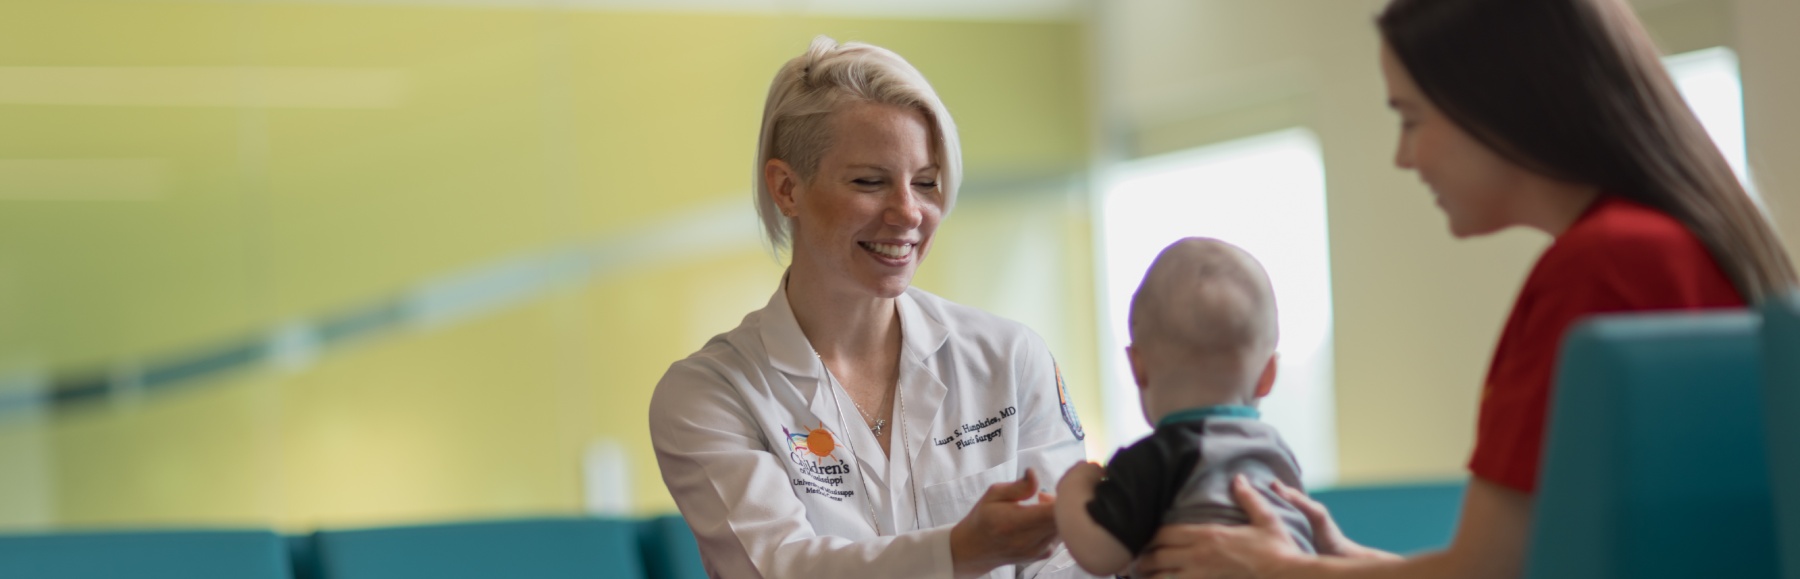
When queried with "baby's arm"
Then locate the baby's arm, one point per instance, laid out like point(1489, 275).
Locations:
point(1093, 546)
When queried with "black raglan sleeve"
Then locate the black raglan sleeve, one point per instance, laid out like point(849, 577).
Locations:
point(1140, 485)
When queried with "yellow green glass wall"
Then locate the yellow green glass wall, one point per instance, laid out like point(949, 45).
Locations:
point(181, 177)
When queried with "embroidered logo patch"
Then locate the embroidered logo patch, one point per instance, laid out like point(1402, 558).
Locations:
point(1068, 410)
point(819, 472)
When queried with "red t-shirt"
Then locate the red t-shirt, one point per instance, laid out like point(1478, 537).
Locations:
point(1619, 256)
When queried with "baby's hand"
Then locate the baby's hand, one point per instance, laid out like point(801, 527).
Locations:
point(1084, 475)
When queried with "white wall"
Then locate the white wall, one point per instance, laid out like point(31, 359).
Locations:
point(1769, 62)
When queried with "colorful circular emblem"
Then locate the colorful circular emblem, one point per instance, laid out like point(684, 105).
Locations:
point(816, 441)
point(820, 443)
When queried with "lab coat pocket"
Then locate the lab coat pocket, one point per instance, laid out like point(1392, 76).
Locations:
point(947, 502)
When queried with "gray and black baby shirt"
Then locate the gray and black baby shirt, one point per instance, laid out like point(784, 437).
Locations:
point(1182, 473)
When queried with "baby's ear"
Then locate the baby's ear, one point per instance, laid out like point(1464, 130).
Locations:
point(1137, 368)
point(1266, 382)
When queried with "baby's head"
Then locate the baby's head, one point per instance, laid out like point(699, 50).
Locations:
point(1203, 329)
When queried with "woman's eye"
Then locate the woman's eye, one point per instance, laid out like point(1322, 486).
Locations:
point(867, 182)
point(926, 184)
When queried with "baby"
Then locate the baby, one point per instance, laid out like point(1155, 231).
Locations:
point(1202, 353)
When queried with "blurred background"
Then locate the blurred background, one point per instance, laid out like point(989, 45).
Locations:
point(335, 263)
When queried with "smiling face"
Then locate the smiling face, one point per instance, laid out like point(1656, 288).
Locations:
point(1476, 187)
point(865, 218)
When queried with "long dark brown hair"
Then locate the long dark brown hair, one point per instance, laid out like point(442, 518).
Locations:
point(1575, 90)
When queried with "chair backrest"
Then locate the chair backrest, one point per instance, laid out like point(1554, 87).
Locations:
point(670, 551)
point(1781, 368)
point(146, 555)
point(1403, 518)
point(303, 555)
point(539, 548)
point(1654, 464)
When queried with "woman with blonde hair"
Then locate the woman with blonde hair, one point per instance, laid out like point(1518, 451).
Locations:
point(1555, 115)
point(857, 426)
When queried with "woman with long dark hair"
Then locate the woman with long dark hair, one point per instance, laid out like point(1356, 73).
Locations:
point(1555, 115)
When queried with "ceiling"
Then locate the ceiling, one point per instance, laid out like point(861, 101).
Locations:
point(922, 9)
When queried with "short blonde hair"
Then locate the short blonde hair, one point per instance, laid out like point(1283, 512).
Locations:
point(810, 87)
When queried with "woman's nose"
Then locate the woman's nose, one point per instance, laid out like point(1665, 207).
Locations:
point(904, 209)
point(1403, 155)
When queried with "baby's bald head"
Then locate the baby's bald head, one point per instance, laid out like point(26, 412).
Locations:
point(1205, 305)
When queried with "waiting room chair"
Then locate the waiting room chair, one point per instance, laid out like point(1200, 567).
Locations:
point(538, 548)
point(1654, 464)
point(1781, 368)
point(160, 554)
point(670, 551)
point(1405, 518)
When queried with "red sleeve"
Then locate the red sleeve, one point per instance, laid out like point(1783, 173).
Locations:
point(1617, 262)
point(1514, 403)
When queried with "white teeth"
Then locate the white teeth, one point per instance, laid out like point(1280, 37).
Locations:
point(889, 250)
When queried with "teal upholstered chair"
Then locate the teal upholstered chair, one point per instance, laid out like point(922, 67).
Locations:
point(145, 555)
point(1398, 518)
point(1781, 367)
point(1654, 464)
point(670, 551)
point(540, 549)
point(301, 553)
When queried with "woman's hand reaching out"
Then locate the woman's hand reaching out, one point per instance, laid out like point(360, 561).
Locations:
point(1000, 531)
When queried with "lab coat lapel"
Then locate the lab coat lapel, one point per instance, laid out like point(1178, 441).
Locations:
point(924, 390)
point(791, 353)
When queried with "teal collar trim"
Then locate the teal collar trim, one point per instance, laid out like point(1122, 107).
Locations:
point(1220, 411)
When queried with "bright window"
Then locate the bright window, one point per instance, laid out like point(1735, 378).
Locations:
point(1265, 194)
point(1708, 80)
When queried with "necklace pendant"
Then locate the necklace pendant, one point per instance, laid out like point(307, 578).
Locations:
point(878, 425)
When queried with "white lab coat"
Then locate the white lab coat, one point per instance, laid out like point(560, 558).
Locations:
point(733, 430)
